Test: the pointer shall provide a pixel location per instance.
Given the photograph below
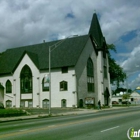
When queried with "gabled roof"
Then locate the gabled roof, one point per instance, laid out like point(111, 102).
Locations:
point(137, 90)
point(96, 32)
point(66, 54)
point(1, 86)
point(33, 57)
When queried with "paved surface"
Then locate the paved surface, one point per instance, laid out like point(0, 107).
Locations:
point(37, 113)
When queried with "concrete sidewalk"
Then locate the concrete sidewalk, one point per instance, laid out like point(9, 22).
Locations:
point(78, 111)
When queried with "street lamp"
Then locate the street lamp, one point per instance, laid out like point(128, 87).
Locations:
point(51, 48)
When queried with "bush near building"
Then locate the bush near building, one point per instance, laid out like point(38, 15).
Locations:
point(11, 112)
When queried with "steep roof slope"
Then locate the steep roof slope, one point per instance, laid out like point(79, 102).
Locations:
point(95, 31)
point(1, 86)
point(66, 54)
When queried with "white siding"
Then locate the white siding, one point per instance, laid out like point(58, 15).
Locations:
point(37, 96)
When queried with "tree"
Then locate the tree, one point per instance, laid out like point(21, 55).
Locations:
point(125, 97)
point(116, 72)
point(118, 90)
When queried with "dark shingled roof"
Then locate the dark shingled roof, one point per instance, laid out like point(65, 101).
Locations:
point(1, 86)
point(96, 32)
point(66, 54)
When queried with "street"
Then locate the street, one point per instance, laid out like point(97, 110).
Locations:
point(109, 125)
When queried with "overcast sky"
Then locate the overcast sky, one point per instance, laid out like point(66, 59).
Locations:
point(25, 22)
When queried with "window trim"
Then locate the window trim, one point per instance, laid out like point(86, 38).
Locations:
point(64, 69)
point(90, 76)
point(63, 103)
point(43, 86)
point(8, 103)
point(26, 80)
point(105, 71)
point(63, 86)
point(90, 68)
point(8, 86)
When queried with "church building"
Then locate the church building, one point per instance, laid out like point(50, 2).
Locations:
point(79, 72)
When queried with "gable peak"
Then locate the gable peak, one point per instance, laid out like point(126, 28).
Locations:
point(95, 30)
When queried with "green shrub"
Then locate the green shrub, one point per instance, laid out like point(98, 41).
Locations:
point(11, 112)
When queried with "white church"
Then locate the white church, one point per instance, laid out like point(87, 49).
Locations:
point(79, 72)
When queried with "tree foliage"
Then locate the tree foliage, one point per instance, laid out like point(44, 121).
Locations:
point(125, 96)
point(116, 72)
point(118, 90)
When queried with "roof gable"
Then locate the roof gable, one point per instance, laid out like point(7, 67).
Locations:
point(1, 86)
point(32, 56)
point(137, 90)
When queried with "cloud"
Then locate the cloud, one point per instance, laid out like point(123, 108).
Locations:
point(32, 21)
point(29, 22)
point(134, 83)
point(120, 19)
point(132, 64)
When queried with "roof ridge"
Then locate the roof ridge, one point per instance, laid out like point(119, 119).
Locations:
point(65, 55)
point(45, 42)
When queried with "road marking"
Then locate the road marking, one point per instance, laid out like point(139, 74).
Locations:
point(110, 128)
point(61, 125)
point(24, 130)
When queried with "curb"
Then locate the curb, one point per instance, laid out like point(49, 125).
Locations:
point(82, 111)
point(43, 116)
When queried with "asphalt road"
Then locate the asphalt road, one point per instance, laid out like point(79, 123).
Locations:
point(103, 125)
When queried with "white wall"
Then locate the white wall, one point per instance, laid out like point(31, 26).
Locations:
point(100, 85)
point(103, 83)
point(38, 95)
point(136, 98)
point(56, 95)
point(9, 96)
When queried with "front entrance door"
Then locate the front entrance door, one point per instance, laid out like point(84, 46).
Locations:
point(22, 103)
point(63, 103)
point(81, 103)
point(30, 103)
point(45, 103)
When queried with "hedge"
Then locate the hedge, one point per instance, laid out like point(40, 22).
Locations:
point(11, 112)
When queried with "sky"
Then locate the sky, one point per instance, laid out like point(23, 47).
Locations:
point(26, 22)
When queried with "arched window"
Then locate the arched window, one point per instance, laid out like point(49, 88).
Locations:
point(90, 76)
point(90, 69)
point(8, 87)
point(45, 85)
point(63, 86)
point(8, 103)
point(26, 80)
